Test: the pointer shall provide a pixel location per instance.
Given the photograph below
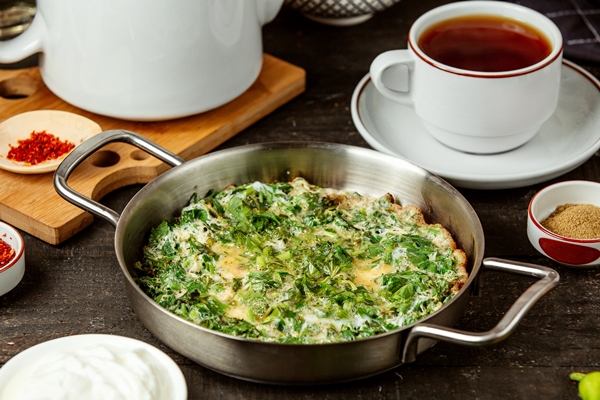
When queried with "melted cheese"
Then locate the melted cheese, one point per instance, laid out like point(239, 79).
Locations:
point(231, 260)
point(368, 275)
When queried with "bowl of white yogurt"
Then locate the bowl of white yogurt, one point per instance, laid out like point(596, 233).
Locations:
point(92, 366)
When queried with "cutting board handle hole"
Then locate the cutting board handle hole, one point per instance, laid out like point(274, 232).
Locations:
point(139, 155)
point(18, 88)
point(104, 158)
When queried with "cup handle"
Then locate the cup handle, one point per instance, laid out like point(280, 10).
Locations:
point(24, 45)
point(391, 74)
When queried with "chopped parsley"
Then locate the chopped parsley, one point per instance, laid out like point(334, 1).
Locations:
point(295, 263)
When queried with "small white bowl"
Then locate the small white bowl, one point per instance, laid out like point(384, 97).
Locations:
point(577, 253)
point(90, 361)
point(12, 273)
point(340, 12)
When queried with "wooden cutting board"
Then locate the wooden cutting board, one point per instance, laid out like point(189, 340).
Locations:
point(30, 202)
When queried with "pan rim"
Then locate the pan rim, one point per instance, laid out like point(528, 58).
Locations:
point(231, 153)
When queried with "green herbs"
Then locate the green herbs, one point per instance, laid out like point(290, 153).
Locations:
point(295, 263)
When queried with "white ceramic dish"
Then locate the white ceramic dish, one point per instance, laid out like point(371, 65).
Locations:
point(568, 139)
point(65, 125)
point(17, 370)
point(12, 273)
point(578, 253)
point(340, 12)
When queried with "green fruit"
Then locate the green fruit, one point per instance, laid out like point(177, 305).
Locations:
point(589, 385)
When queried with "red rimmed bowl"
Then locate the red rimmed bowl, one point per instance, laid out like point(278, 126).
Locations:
point(12, 272)
point(572, 252)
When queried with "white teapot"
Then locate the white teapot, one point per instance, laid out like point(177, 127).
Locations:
point(146, 59)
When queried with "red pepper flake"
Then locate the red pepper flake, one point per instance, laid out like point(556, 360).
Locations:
point(6, 253)
point(39, 147)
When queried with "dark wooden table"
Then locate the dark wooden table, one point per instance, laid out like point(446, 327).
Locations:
point(77, 287)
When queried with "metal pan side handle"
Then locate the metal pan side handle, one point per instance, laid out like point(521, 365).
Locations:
point(548, 279)
point(89, 147)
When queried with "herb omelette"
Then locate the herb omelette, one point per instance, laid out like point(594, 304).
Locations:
point(292, 262)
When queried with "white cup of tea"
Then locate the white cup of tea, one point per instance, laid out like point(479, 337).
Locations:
point(483, 76)
point(146, 59)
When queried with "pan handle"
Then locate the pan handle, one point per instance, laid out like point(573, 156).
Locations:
point(548, 278)
point(86, 149)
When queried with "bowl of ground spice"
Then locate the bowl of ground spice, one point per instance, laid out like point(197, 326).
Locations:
point(563, 223)
point(36, 142)
point(12, 258)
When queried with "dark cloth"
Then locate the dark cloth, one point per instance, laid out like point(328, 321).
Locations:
point(579, 22)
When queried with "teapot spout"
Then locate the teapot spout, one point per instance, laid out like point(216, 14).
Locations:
point(267, 10)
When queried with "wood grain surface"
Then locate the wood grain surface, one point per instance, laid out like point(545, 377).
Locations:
point(30, 202)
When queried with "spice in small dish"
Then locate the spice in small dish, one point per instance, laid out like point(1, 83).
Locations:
point(577, 221)
point(7, 253)
point(39, 147)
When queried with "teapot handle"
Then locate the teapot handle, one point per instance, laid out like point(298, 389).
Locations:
point(24, 45)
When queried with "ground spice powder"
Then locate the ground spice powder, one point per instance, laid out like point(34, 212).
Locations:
point(577, 221)
point(39, 147)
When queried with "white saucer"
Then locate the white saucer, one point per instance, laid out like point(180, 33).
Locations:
point(568, 139)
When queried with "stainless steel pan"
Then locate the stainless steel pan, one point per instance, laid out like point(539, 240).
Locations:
point(327, 165)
